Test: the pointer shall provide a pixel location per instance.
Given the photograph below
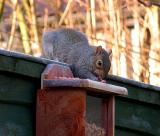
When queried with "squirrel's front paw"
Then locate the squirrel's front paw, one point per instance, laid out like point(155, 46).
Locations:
point(103, 81)
point(95, 78)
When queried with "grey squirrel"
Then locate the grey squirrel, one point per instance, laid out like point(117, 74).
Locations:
point(72, 47)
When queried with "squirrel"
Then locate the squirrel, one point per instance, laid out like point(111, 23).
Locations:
point(71, 46)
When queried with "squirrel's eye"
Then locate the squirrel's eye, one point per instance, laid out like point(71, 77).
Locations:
point(99, 63)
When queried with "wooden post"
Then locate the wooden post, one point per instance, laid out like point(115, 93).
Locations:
point(109, 115)
point(60, 111)
point(61, 103)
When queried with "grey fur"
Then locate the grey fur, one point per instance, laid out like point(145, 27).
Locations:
point(72, 47)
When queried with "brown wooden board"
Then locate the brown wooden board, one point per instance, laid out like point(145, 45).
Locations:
point(138, 113)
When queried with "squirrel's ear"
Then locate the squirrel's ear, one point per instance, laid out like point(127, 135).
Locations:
point(99, 49)
point(109, 51)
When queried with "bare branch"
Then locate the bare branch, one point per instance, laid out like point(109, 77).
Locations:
point(149, 3)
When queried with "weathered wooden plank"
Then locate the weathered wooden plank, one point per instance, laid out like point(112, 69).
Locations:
point(23, 67)
point(26, 65)
point(21, 56)
point(132, 117)
point(94, 110)
point(15, 89)
point(138, 116)
point(109, 115)
point(120, 131)
point(29, 68)
point(15, 120)
point(140, 92)
point(131, 82)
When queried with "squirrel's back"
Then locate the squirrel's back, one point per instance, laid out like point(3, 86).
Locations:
point(64, 36)
point(61, 41)
point(72, 47)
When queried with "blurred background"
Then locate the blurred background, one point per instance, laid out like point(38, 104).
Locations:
point(131, 28)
